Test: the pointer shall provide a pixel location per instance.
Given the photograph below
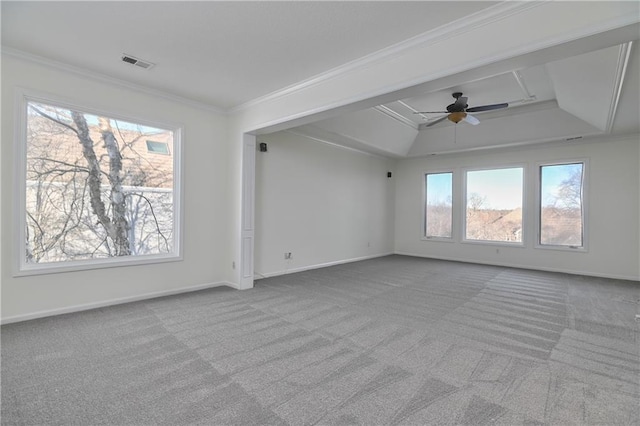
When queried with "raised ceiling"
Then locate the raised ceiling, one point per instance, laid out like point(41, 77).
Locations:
point(590, 94)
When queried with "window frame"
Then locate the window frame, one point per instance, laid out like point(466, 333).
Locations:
point(424, 236)
point(463, 215)
point(20, 266)
point(585, 210)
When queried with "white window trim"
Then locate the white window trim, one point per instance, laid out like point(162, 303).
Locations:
point(423, 214)
point(463, 211)
point(585, 209)
point(21, 267)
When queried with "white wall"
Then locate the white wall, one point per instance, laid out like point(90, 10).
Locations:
point(613, 193)
point(205, 198)
point(322, 203)
point(397, 71)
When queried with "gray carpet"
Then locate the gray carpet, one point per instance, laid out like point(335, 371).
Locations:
point(396, 340)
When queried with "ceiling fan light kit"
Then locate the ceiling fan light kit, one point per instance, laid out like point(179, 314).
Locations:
point(457, 117)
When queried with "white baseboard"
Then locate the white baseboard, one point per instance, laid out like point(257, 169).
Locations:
point(118, 301)
point(257, 276)
point(153, 295)
point(531, 267)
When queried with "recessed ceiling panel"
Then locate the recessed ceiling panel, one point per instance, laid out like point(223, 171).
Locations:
point(537, 82)
point(515, 88)
point(533, 125)
point(586, 84)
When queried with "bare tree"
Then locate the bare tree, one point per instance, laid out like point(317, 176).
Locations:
point(570, 192)
point(116, 226)
point(78, 201)
point(476, 202)
point(439, 218)
point(561, 218)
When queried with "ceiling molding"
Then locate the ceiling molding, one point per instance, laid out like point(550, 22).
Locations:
point(398, 117)
point(300, 132)
point(621, 69)
point(586, 138)
point(477, 20)
point(460, 26)
point(92, 75)
point(523, 86)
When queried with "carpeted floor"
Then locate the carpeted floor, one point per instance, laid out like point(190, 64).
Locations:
point(396, 340)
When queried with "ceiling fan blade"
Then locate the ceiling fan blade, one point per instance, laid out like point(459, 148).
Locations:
point(431, 112)
point(487, 107)
point(471, 119)
point(444, 117)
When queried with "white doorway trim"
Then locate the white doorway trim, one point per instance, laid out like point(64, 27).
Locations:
point(248, 210)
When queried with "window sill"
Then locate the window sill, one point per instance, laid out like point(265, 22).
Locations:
point(85, 265)
point(438, 239)
point(562, 248)
point(494, 243)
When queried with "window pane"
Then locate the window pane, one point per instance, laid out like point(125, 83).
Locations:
point(494, 205)
point(158, 147)
point(92, 188)
point(438, 211)
point(561, 219)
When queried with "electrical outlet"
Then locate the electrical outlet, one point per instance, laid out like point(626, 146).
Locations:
point(233, 265)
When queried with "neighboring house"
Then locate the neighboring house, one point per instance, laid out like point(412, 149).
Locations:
point(62, 223)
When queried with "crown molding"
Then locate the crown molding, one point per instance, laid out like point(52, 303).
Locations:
point(469, 23)
point(396, 116)
point(598, 138)
point(460, 26)
point(325, 137)
point(624, 55)
point(103, 78)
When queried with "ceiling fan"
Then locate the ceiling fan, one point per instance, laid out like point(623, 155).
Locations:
point(458, 111)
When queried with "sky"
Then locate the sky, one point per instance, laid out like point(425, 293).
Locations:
point(92, 119)
point(553, 176)
point(501, 187)
point(439, 188)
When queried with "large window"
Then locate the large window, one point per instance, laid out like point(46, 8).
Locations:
point(561, 205)
point(92, 193)
point(438, 205)
point(494, 205)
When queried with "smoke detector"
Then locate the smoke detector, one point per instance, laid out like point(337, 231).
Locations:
point(129, 59)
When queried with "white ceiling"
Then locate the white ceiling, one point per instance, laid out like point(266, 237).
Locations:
point(570, 98)
point(225, 54)
point(220, 53)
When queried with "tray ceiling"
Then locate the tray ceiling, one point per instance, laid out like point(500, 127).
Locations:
point(576, 97)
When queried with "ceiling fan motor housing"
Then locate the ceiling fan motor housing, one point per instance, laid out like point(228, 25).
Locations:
point(459, 105)
point(456, 107)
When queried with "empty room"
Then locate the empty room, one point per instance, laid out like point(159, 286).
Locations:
point(320, 212)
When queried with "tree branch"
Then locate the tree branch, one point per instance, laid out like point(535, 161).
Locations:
point(47, 116)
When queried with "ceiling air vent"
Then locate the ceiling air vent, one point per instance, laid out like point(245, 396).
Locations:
point(136, 61)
